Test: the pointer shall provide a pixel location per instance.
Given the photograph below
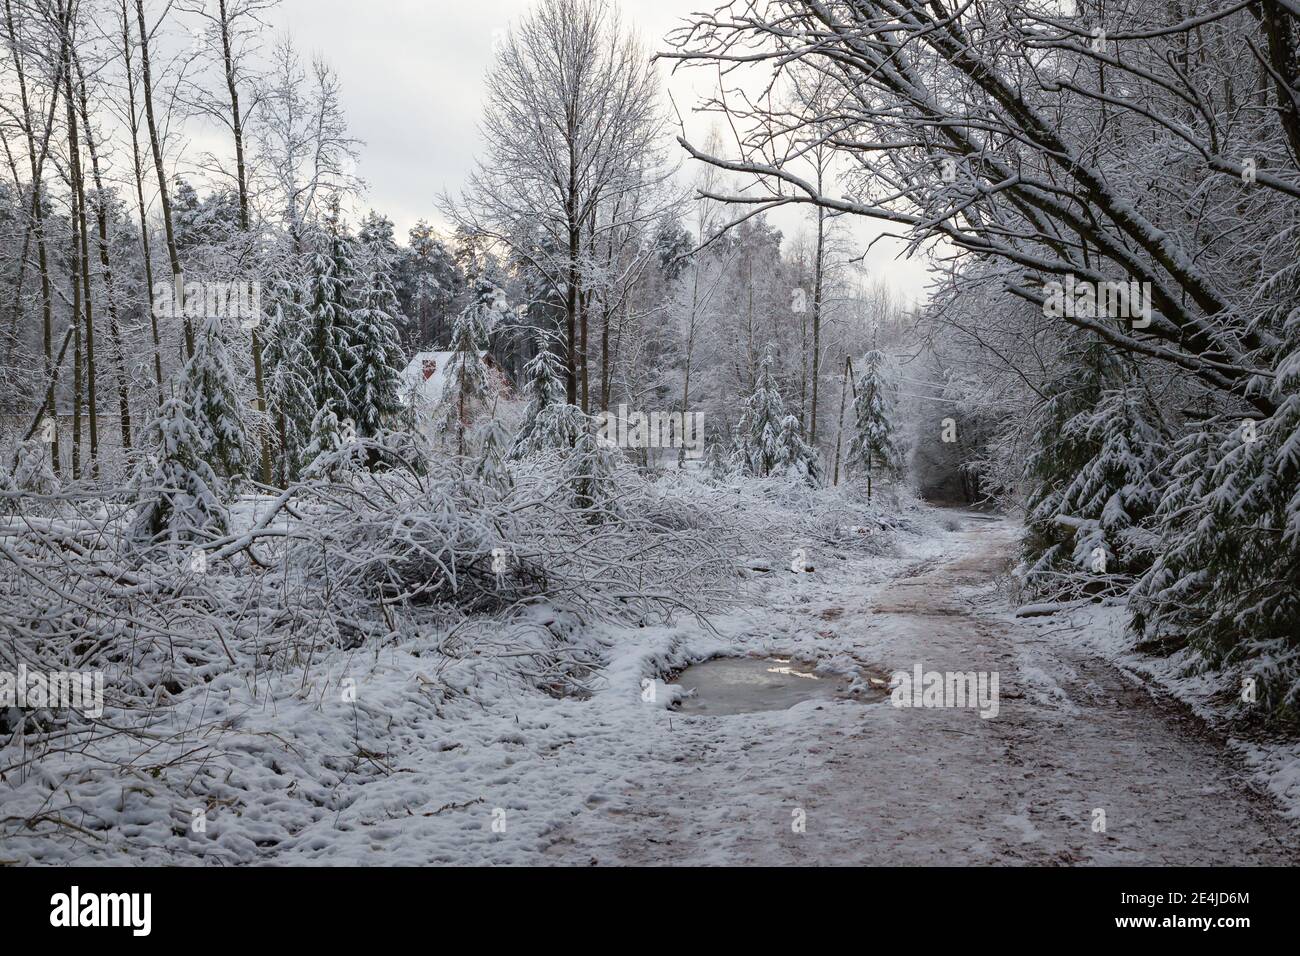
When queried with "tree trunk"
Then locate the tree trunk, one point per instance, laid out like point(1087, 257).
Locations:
point(38, 221)
point(82, 305)
point(78, 383)
point(839, 433)
point(237, 128)
point(155, 144)
point(138, 169)
point(818, 271)
point(570, 318)
point(604, 360)
point(106, 270)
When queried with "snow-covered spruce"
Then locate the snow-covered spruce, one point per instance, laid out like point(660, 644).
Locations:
point(179, 494)
point(768, 440)
point(466, 390)
point(209, 388)
point(1224, 577)
point(375, 356)
point(873, 450)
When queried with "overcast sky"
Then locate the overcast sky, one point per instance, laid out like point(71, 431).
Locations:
point(412, 77)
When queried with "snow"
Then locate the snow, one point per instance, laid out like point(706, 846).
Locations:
point(460, 759)
point(1100, 631)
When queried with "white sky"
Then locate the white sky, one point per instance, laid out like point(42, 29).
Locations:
point(412, 79)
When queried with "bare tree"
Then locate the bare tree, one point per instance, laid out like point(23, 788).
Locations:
point(83, 311)
point(306, 153)
point(231, 29)
point(105, 263)
point(137, 170)
point(571, 127)
point(37, 154)
point(156, 146)
point(950, 119)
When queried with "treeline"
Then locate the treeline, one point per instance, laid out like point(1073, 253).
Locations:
point(111, 253)
point(607, 258)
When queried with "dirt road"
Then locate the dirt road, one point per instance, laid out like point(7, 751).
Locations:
point(853, 783)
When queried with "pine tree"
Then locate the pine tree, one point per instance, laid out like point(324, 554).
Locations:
point(873, 449)
point(180, 496)
point(466, 389)
point(758, 447)
point(208, 387)
point(375, 354)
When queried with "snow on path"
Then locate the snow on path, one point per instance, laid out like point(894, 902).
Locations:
point(502, 774)
point(442, 760)
point(877, 784)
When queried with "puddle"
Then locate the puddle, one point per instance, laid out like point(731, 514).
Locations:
point(744, 685)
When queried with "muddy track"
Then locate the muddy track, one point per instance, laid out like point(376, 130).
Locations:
point(1076, 743)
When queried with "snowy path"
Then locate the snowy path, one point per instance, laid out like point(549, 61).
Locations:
point(879, 784)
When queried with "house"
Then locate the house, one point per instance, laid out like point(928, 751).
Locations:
point(424, 378)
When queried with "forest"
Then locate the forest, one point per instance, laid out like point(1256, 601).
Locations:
point(309, 497)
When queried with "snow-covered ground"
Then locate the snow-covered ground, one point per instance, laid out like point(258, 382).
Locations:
point(1096, 632)
point(875, 784)
point(439, 760)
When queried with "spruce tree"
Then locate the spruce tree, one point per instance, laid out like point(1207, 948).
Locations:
point(1063, 445)
point(493, 449)
point(289, 393)
point(589, 474)
point(466, 389)
point(549, 422)
point(1115, 491)
point(717, 463)
point(330, 279)
point(873, 449)
point(758, 447)
point(325, 455)
point(375, 354)
point(1224, 579)
point(209, 389)
point(179, 495)
point(796, 458)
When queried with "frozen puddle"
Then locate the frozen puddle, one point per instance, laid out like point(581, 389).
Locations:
point(743, 685)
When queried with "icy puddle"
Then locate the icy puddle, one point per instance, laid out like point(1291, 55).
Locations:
point(743, 685)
